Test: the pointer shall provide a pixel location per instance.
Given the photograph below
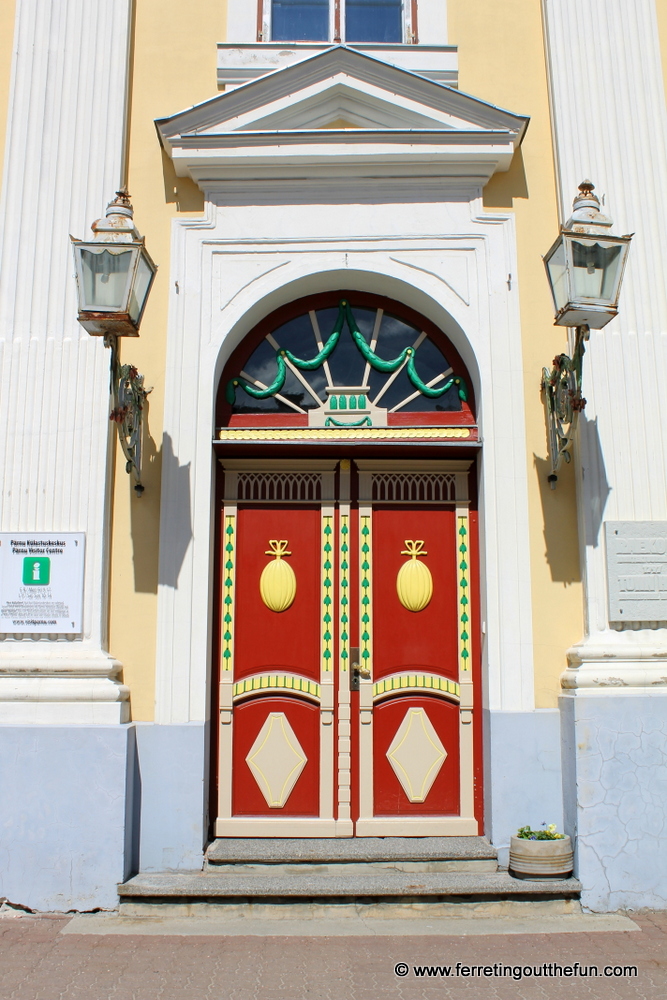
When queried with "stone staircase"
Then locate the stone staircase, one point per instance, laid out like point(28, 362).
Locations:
point(397, 875)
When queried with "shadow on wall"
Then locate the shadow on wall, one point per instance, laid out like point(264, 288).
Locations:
point(145, 514)
point(180, 191)
point(503, 188)
point(595, 473)
point(145, 518)
point(176, 509)
point(559, 517)
point(559, 506)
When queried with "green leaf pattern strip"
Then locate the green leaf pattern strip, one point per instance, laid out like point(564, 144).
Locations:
point(344, 563)
point(365, 587)
point(228, 595)
point(464, 601)
point(327, 589)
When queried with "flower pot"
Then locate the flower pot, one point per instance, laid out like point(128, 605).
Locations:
point(541, 859)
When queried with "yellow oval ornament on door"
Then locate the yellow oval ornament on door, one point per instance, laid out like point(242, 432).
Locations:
point(277, 584)
point(414, 583)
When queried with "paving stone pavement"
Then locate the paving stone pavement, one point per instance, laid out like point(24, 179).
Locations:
point(38, 962)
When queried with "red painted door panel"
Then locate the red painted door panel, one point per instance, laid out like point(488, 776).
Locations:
point(423, 643)
point(269, 643)
point(267, 640)
point(304, 722)
point(390, 748)
point(390, 798)
point(406, 640)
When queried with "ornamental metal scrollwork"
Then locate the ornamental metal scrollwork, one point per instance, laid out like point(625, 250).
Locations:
point(129, 395)
point(564, 402)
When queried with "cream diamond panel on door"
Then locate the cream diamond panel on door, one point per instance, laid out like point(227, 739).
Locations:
point(416, 754)
point(276, 760)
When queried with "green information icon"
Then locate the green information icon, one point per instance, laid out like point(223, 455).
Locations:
point(36, 571)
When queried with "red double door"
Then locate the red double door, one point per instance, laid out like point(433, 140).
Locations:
point(346, 667)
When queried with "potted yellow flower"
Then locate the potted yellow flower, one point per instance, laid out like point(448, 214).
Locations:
point(541, 854)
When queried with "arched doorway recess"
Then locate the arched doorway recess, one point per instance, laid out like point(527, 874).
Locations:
point(347, 640)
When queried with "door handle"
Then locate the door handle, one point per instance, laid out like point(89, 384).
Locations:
point(357, 672)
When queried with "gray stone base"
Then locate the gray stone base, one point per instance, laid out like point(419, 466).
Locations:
point(615, 776)
point(84, 807)
point(65, 835)
point(522, 774)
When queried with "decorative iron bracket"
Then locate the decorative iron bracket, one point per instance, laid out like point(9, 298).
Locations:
point(563, 401)
point(128, 397)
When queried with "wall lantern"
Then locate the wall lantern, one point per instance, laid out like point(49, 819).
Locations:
point(584, 268)
point(114, 275)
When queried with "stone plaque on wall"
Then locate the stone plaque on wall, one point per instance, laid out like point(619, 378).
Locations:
point(637, 571)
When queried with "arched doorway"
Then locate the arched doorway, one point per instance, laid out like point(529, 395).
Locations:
point(348, 652)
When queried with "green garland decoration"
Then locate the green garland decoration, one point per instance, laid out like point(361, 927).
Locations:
point(271, 390)
point(392, 366)
point(309, 366)
point(429, 390)
point(345, 313)
point(369, 355)
point(279, 380)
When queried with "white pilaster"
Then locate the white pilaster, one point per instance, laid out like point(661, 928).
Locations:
point(62, 165)
point(610, 125)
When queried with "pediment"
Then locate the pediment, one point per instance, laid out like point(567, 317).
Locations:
point(346, 106)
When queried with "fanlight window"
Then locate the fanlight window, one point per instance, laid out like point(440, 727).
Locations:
point(347, 366)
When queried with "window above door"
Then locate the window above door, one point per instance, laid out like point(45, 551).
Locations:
point(353, 21)
point(332, 361)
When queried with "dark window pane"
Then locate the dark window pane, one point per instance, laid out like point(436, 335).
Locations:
point(346, 364)
point(373, 21)
point(262, 366)
point(300, 20)
point(298, 336)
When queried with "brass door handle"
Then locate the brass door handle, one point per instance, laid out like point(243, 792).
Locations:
point(357, 672)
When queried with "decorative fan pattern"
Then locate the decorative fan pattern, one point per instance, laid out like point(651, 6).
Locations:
point(369, 365)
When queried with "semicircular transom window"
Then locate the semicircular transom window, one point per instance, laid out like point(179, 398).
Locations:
point(350, 363)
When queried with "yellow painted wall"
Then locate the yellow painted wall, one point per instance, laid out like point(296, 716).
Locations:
point(7, 12)
point(174, 67)
point(501, 60)
point(661, 10)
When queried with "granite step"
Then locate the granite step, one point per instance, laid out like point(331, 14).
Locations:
point(395, 875)
point(367, 855)
point(147, 891)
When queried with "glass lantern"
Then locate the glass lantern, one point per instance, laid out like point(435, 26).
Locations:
point(113, 281)
point(585, 273)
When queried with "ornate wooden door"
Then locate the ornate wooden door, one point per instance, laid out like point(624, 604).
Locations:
point(345, 683)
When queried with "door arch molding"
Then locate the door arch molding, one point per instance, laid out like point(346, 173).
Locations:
point(204, 329)
point(379, 312)
point(395, 281)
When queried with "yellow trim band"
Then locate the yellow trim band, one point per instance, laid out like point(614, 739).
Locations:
point(340, 433)
point(276, 682)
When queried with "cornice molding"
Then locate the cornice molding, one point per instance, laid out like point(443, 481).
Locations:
point(419, 123)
